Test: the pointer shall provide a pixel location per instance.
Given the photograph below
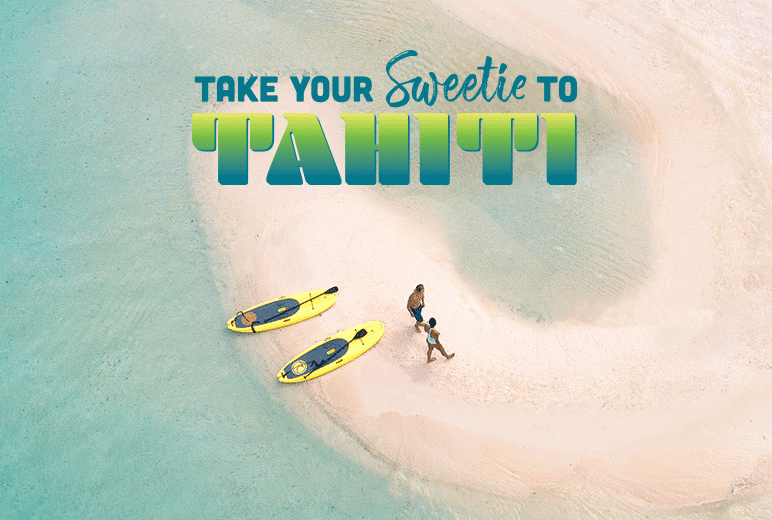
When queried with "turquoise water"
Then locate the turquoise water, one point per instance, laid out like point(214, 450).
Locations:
point(122, 395)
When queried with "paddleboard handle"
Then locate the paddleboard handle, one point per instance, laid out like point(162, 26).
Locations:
point(241, 313)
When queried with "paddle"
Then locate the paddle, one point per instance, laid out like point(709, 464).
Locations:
point(331, 290)
point(359, 335)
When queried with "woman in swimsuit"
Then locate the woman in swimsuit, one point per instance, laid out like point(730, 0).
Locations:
point(433, 340)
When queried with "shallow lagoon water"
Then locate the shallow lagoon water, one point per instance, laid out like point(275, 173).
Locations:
point(122, 394)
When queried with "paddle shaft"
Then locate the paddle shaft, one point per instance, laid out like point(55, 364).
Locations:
point(361, 333)
point(331, 290)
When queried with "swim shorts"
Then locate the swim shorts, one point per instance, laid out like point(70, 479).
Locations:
point(417, 313)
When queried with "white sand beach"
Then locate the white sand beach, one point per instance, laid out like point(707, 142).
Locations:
point(663, 397)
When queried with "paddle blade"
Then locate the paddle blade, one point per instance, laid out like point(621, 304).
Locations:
point(359, 335)
point(331, 290)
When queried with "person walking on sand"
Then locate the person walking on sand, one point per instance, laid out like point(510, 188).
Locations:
point(433, 340)
point(415, 303)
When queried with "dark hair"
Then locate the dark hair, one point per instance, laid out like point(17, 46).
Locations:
point(419, 287)
point(432, 322)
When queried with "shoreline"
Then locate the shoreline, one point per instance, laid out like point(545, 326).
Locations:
point(667, 419)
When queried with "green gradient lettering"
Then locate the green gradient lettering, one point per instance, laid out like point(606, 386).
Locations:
point(309, 156)
point(434, 148)
point(497, 141)
point(561, 148)
point(304, 154)
point(393, 149)
point(231, 133)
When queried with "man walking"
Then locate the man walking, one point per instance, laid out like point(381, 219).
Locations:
point(415, 303)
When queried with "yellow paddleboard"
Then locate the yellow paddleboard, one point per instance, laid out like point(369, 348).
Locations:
point(283, 311)
point(334, 352)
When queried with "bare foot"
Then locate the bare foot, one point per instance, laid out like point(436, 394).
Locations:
point(417, 329)
point(431, 359)
point(450, 356)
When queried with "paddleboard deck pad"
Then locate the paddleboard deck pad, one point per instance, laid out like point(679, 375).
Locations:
point(283, 311)
point(332, 353)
